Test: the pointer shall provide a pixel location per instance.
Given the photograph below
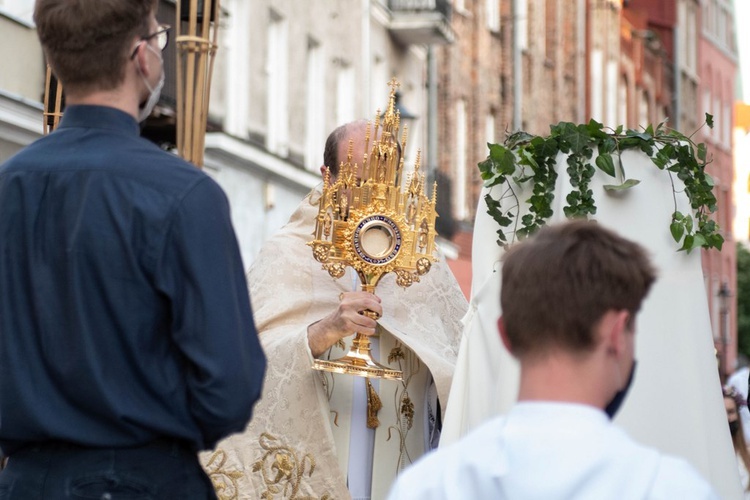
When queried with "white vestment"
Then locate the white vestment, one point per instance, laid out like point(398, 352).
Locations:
point(549, 451)
point(297, 444)
point(675, 403)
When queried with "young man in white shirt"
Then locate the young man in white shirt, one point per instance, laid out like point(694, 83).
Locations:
point(569, 296)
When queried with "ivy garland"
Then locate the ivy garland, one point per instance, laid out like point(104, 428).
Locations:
point(526, 158)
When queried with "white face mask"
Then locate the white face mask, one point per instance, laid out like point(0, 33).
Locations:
point(154, 93)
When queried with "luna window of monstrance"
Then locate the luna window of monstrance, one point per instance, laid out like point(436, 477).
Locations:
point(373, 220)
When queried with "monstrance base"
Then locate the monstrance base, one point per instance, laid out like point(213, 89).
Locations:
point(357, 365)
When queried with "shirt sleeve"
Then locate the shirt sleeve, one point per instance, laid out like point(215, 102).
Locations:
point(200, 271)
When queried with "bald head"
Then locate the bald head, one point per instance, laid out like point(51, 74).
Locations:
point(337, 145)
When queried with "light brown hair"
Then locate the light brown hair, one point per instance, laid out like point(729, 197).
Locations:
point(88, 42)
point(557, 284)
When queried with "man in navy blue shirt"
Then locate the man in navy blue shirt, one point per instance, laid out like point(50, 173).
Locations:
point(127, 341)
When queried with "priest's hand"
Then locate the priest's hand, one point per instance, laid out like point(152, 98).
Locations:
point(348, 318)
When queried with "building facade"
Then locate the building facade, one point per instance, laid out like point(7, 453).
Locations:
point(717, 73)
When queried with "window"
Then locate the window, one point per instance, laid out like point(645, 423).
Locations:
point(489, 130)
point(597, 85)
point(315, 112)
point(707, 109)
point(691, 41)
point(612, 79)
point(718, 122)
point(236, 106)
point(492, 12)
point(277, 66)
point(644, 112)
point(521, 23)
point(344, 94)
point(622, 98)
point(726, 125)
point(460, 180)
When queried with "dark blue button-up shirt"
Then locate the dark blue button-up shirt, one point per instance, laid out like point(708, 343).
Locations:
point(124, 313)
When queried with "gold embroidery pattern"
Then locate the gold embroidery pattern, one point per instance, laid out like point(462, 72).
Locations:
point(223, 479)
point(407, 410)
point(402, 401)
point(283, 470)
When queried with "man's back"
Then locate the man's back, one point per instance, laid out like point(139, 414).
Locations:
point(107, 309)
point(548, 451)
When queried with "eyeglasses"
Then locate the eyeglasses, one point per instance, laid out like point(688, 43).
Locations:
point(161, 35)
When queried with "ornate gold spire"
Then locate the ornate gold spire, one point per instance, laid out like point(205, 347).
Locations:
point(368, 222)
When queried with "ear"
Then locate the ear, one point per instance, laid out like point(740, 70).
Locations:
point(504, 334)
point(614, 329)
point(141, 58)
point(323, 171)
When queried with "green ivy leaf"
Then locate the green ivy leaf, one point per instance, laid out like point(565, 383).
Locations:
point(702, 152)
point(622, 187)
point(644, 136)
point(710, 120)
point(531, 160)
point(716, 241)
point(698, 241)
point(605, 163)
point(575, 137)
point(607, 145)
point(677, 230)
point(503, 159)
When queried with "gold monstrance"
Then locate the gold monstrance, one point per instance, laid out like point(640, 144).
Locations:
point(368, 222)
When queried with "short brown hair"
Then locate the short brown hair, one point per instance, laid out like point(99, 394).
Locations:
point(559, 283)
point(88, 42)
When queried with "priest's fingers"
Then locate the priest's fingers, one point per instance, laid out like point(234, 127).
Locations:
point(360, 323)
point(359, 302)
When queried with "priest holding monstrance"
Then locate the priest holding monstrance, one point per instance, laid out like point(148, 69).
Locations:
point(342, 414)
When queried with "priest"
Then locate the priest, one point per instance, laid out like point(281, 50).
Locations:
point(322, 435)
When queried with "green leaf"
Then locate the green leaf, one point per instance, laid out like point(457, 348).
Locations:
point(605, 163)
point(702, 151)
point(644, 136)
point(607, 145)
point(716, 241)
point(503, 159)
point(622, 187)
point(677, 231)
point(698, 241)
point(575, 137)
point(546, 148)
point(517, 138)
point(710, 120)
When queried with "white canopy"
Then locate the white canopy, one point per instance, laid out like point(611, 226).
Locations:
point(675, 403)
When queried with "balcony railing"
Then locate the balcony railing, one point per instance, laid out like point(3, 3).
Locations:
point(442, 6)
point(416, 22)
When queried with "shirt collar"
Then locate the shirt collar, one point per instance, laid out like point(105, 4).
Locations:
point(101, 117)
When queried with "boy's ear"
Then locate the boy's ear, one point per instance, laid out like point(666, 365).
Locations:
point(615, 326)
point(503, 334)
